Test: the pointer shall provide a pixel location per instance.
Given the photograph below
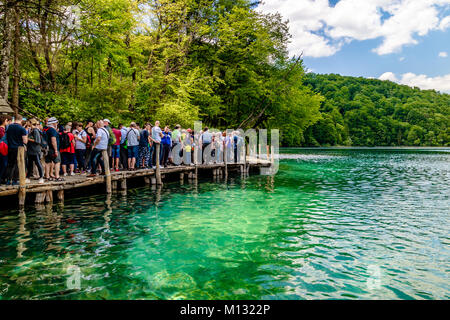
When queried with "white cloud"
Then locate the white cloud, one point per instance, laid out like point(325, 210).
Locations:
point(388, 76)
point(422, 81)
point(320, 30)
point(443, 54)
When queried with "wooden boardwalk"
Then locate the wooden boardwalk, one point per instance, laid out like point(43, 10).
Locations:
point(114, 181)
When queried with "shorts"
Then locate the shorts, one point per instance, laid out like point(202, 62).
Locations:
point(115, 151)
point(133, 151)
point(67, 158)
point(49, 157)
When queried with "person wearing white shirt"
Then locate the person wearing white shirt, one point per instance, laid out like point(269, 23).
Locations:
point(80, 146)
point(100, 145)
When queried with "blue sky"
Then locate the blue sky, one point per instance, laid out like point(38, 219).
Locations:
point(406, 41)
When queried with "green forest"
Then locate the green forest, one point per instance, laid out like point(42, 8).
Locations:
point(370, 112)
point(219, 61)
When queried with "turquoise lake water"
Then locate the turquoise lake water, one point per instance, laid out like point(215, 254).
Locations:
point(332, 224)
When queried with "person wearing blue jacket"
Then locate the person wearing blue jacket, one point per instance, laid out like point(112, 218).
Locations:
point(166, 143)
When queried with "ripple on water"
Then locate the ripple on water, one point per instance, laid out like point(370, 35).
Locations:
point(332, 224)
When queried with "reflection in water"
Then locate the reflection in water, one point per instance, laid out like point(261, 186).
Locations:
point(331, 224)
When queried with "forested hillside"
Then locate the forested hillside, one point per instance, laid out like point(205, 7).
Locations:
point(219, 61)
point(369, 112)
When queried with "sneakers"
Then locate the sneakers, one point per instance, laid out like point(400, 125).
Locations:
point(41, 181)
point(27, 180)
point(65, 174)
point(72, 174)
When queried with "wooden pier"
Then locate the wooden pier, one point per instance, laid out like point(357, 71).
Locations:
point(117, 181)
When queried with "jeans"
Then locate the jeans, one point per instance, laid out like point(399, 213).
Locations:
point(133, 152)
point(96, 158)
point(34, 159)
point(80, 154)
point(165, 154)
point(3, 165)
point(12, 171)
point(204, 146)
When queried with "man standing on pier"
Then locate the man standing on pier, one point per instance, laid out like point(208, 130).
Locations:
point(156, 138)
point(53, 157)
point(17, 137)
point(100, 145)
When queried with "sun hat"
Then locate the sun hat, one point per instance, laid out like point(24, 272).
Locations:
point(52, 120)
point(106, 120)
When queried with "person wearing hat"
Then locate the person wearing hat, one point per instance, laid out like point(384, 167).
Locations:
point(16, 136)
point(53, 157)
point(34, 151)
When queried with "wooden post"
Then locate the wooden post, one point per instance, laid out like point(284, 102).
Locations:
point(123, 184)
point(49, 196)
point(40, 198)
point(147, 181)
point(22, 175)
point(225, 159)
point(182, 177)
point(158, 169)
point(60, 195)
point(114, 185)
point(107, 172)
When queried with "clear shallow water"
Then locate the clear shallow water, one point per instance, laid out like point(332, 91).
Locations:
point(333, 224)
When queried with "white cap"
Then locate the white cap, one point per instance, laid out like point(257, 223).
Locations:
point(106, 120)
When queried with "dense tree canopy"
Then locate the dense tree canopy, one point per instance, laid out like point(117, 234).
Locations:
point(370, 112)
point(177, 61)
point(219, 61)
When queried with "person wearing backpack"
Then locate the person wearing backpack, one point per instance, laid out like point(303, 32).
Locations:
point(91, 135)
point(67, 149)
point(16, 136)
point(81, 138)
point(112, 138)
point(5, 121)
point(133, 138)
point(34, 151)
point(53, 157)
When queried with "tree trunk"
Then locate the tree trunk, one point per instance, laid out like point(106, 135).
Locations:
point(5, 53)
point(16, 70)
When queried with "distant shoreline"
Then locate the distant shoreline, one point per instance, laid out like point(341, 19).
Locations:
point(368, 148)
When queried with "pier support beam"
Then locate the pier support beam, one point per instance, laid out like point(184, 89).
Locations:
point(49, 196)
point(22, 177)
point(107, 172)
point(60, 195)
point(147, 181)
point(158, 169)
point(123, 186)
point(40, 198)
point(114, 185)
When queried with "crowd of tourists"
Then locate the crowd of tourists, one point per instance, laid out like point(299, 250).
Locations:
point(54, 150)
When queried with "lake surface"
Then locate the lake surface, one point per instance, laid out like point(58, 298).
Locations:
point(332, 224)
